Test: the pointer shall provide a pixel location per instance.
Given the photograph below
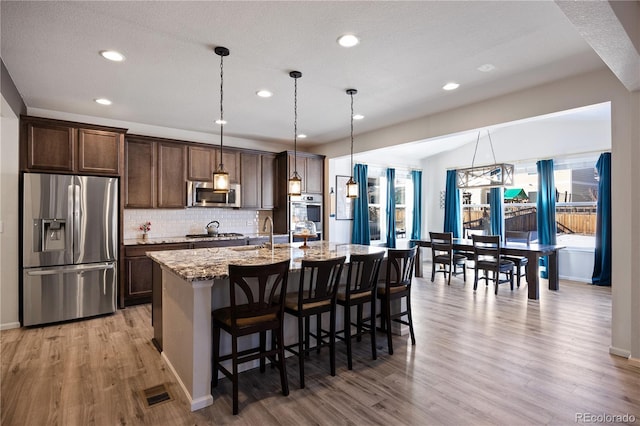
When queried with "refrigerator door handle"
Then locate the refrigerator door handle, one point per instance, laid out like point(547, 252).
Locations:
point(71, 270)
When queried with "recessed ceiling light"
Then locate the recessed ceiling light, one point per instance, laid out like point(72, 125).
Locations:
point(302, 136)
point(451, 86)
point(358, 117)
point(486, 67)
point(348, 40)
point(103, 101)
point(112, 55)
point(264, 93)
point(221, 122)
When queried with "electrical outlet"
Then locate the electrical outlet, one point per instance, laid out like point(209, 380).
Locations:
point(249, 223)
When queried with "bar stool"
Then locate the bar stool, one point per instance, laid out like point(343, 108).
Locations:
point(397, 285)
point(319, 280)
point(257, 294)
point(362, 279)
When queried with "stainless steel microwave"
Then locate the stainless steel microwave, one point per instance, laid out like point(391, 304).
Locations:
point(200, 194)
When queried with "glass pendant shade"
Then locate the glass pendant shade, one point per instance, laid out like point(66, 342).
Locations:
point(352, 188)
point(220, 180)
point(295, 184)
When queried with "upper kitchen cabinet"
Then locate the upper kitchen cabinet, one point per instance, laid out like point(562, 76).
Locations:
point(140, 179)
point(201, 161)
point(231, 162)
point(257, 172)
point(172, 186)
point(310, 167)
point(62, 146)
point(156, 173)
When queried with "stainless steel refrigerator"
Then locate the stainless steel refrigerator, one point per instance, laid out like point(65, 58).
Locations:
point(69, 247)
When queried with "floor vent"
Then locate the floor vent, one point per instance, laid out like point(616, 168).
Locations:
point(156, 395)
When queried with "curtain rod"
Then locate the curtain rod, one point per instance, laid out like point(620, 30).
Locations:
point(529, 160)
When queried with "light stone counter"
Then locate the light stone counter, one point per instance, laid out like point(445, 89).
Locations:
point(191, 288)
point(212, 263)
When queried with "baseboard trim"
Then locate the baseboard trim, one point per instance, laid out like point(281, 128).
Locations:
point(9, 325)
point(619, 352)
point(196, 404)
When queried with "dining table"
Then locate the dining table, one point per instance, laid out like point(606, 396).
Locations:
point(532, 251)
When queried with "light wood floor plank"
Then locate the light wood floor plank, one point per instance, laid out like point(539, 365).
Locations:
point(479, 359)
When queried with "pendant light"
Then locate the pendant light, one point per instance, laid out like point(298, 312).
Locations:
point(220, 176)
point(295, 182)
point(352, 185)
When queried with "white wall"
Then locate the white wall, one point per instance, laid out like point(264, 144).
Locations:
point(339, 230)
point(9, 134)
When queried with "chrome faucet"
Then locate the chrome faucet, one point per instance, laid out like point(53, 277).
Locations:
point(264, 229)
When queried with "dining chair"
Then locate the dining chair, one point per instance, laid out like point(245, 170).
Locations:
point(362, 279)
point(316, 294)
point(442, 254)
point(486, 250)
point(257, 294)
point(520, 262)
point(400, 263)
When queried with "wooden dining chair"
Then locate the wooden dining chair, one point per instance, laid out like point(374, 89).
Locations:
point(486, 250)
point(316, 294)
point(257, 294)
point(442, 254)
point(520, 262)
point(362, 279)
point(400, 263)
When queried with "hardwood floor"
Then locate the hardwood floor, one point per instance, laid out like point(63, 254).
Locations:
point(479, 359)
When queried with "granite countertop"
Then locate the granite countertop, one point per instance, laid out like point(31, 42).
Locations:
point(183, 239)
point(212, 263)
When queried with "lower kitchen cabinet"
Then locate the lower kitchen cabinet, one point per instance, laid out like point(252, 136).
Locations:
point(138, 271)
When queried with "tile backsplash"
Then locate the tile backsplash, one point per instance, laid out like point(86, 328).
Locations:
point(180, 222)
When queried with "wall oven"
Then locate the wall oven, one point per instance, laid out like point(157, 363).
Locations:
point(200, 194)
point(306, 207)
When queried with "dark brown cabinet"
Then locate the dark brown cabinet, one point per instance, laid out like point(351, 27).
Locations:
point(311, 171)
point(231, 162)
point(138, 271)
point(250, 177)
point(140, 179)
point(310, 168)
point(172, 186)
point(62, 146)
point(314, 174)
point(268, 174)
point(201, 161)
point(257, 180)
point(156, 173)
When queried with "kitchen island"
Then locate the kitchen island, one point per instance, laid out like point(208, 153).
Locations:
point(196, 281)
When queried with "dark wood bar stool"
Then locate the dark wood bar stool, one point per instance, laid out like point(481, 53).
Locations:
point(362, 279)
point(397, 285)
point(318, 287)
point(486, 250)
point(442, 254)
point(257, 295)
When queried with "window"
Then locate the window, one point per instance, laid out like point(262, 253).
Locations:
point(377, 193)
point(576, 197)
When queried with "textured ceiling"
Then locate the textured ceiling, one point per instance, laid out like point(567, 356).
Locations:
point(170, 77)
